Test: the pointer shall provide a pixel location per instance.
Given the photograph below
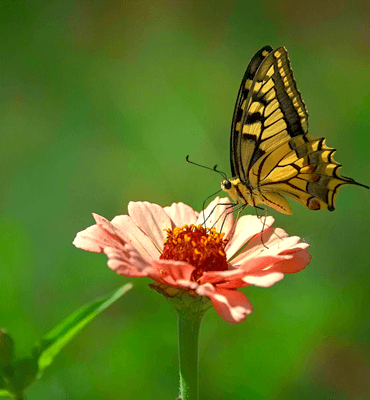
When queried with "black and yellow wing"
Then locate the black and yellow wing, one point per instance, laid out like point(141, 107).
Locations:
point(272, 155)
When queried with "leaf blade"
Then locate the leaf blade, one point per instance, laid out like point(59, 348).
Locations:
point(52, 343)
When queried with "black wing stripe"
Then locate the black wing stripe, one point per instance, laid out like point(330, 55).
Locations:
point(289, 110)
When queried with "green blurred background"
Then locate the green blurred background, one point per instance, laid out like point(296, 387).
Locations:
point(100, 103)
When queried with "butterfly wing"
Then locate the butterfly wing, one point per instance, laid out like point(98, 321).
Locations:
point(269, 110)
point(302, 168)
point(271, 153)
point(240, 110)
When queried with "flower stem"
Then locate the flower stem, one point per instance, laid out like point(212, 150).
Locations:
point(188, 331)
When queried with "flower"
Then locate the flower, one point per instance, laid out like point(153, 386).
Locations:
point(170, 246)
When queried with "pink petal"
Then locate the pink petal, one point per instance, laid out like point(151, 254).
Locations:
point(96, 237)
point(92, 239)
point(110, 238)
point(127, 263)
point(137, 238)
point(275, 249)
point(262, 264)
point(231, 279)
point(267, 270)
point(181, 214)
point(271, 238)
point(247, 227)
point(258, 268)
point(171, 272)
point(300, 259)
point(151, 219)
point(284, 244)
point(268, 238)
point(218, 214)
point(287, 254)
point(231, 305)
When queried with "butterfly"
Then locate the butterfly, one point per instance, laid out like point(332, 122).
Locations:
point(271, 153)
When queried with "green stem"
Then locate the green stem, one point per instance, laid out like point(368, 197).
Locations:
point(188, 331)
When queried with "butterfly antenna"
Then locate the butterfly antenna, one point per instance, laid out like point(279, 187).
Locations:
point(220, 172)
point(203, 166)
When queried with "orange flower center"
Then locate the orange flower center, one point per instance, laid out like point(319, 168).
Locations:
point(200, 247)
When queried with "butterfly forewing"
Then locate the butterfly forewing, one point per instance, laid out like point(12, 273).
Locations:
point(240, 110)
point(273, 112)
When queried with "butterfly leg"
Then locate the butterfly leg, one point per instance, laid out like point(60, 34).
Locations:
point(213, 210)
point(263, 223)
point(204, 206)
point(239, 210)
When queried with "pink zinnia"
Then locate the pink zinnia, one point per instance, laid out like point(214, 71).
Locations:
point(170, 246)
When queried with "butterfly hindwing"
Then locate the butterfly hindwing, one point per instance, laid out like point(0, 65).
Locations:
point(302, 168)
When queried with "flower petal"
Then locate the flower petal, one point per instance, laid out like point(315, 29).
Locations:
point(152, 219)
point(300, 259)
point(181, 214)
point(170, 271)
point(231, 305)
point(263, 244)
point(259, 267)
point(128, 262)
point(96, 237)
point(136, 237)
point(232, 279)
point(188, 284)
point(264, 281)
point(247, 227)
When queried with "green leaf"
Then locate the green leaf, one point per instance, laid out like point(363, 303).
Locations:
point(58, 337)
point(4, 393)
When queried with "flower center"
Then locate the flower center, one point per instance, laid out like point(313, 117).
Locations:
point(200, 247)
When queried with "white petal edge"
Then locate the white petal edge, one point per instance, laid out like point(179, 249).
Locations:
point(264, 281)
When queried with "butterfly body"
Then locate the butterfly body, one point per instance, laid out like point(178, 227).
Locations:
point(272, 155)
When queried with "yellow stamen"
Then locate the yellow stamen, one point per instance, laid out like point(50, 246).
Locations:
point(200, 247)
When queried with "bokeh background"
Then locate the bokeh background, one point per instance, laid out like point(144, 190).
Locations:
point(100, 103)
